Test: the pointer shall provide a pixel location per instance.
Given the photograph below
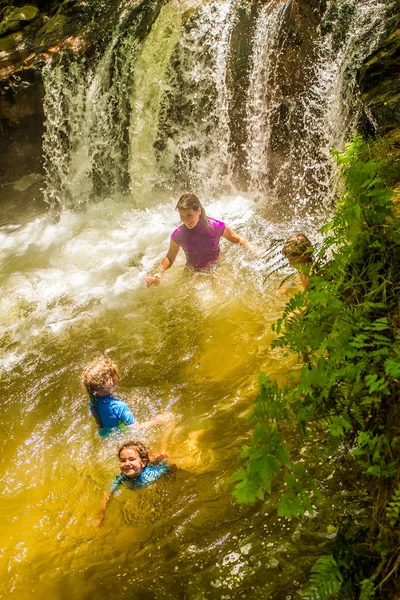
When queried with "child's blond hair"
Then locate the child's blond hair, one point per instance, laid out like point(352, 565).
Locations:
point(100, 375)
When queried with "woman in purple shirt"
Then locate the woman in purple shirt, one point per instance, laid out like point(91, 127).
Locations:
point(198, 236)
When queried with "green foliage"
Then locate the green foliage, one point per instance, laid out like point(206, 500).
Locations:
point(393, 508)
point(367, 589)
point(269, 455)
point(325, 580)
point(345, 328)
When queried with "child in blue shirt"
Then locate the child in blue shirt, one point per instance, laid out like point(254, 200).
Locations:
point(138, 470)
point(100, 378)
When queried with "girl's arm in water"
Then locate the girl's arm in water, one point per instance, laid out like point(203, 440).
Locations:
point(102, 510)
point(235, 238)
point(158, 457)
point(162, 419)
point(166, 263)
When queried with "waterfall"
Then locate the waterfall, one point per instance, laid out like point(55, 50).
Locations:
point(149, 83)
point(262, 102)
point(293, 124)
point(87, 110)
point(150, 115)
point(105, 124)
point(194, 129)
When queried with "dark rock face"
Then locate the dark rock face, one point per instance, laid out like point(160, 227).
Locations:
point(28, 39)
point(15, 19)
point(238, 81)
point(21, 125)
point(379, 81)
point(295, 56)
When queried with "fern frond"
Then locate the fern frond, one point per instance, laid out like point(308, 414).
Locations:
point(325, 579)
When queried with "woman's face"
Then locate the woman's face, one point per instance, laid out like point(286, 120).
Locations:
point(130, 462)
point(190, 217)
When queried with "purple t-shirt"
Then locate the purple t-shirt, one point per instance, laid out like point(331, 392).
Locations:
point(200, 244)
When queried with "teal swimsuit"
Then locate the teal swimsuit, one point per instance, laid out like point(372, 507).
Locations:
point(113, 413)
point(149, 475)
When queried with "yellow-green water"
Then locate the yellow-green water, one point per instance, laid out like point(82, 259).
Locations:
point(73, 290)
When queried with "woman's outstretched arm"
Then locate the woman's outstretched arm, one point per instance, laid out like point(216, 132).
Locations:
point(166, 263)
point(235, 238)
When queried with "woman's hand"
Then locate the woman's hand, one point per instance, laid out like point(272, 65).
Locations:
point(153, 280)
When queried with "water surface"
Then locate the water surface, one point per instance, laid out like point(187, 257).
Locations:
point(72, 289)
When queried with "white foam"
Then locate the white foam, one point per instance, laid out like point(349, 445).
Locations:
point(57, 272)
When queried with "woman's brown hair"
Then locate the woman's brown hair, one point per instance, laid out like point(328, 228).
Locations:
point(190, 201)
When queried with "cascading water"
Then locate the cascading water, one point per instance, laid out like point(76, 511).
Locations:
point(147, 117)
point(294, 120)
point(87, 108)
point(133, 122)
point(194, 132)
point(149, 84)
point(153, 114)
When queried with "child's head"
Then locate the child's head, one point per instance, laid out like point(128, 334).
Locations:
point(298, 249)
point(100, 376)
point(190, 203)
point(133, 457)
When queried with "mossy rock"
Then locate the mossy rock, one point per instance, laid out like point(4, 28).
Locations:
point(70, 7)
point(9, 43)
point(386, 150)
point(71, 17)
point(53, 31)
point(379, 81)
point(15, 19)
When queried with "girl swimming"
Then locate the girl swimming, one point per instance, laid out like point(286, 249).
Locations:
point(299, 252)
point(139, 469)
point(99, 378)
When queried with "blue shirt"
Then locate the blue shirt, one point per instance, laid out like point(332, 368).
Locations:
point(112, 413)
point(149, 475)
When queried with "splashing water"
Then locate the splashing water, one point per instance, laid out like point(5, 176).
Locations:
point(291, 133)
point(146, 119)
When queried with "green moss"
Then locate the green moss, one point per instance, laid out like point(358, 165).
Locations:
point(386, 150)
point(15, 19)
point(379, 81)
point(9, 43)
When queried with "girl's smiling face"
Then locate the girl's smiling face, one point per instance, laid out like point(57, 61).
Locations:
point(130, 462)
point(190, 217)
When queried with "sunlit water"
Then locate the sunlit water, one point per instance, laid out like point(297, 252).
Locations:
point(72, 289)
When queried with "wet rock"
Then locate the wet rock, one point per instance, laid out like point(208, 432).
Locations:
point(71, 17)
point(15, 19)
point(79, 25)
point(379, 81)
point(21, 125)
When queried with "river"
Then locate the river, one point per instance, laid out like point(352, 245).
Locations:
point(147, 120)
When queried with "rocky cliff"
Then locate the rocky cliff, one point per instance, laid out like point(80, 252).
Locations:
point(379, 81)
